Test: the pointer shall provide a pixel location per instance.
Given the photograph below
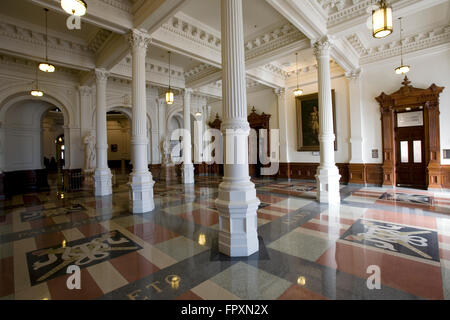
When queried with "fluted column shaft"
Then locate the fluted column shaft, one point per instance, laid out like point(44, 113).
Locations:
point(237, 202)
point(327, 172)
point(139, 140)
point(141, 181)
point(187, 156)
point(101, 77)
point(102, 176)
point(188, 167)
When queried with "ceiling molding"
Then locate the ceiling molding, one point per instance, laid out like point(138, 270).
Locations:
point(419, 41)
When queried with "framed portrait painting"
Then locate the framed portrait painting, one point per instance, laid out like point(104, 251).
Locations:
point(308, 122)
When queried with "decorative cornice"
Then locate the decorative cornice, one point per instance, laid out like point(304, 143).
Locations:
point(187, 30)
point(412, 43)
point(98, 40)
point(123, 5)
point(281, 36)
point(34, 37)
point(339, 11)
point(200, 71)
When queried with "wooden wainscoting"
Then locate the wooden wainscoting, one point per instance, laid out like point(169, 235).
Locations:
point(307, 171)
point(369, 173)
point(445, 172)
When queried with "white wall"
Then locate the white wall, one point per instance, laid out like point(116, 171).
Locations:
point(380, 77)
point(263, 101)
point(342, 155)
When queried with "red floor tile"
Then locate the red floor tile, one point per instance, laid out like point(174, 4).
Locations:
point(189, 295)
point(420, 279)
point(346, 221)
point(46, 240)
point(274, 208)
point(133, 266)
point(92, 229)
point(152, 233)
point(296, 292)
point(267, 198)
point(89, 288)
point(324, 228)
point(402, 218)
point(205, 217)
point(444, 254)
point(6, 276)
point(40, 223)
point(267, 216)
point(444, 238)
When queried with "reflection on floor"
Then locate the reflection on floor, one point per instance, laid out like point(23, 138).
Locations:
point(307, 250)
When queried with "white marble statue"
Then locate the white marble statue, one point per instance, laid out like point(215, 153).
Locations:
point(90, 154)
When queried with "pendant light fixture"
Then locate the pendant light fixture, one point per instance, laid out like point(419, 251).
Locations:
point(297, 92)
point(75, 7)
point(45, 66)
point(36, 92)
point(403, 69)
point(382, 23)
point(169, 93)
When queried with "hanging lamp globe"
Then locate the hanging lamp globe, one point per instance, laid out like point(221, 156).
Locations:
point(75, 7)
point(169, 96)
point(36, 93)
point(46, 67)
point(403, 69)
point(382, 21)
point(298, 92)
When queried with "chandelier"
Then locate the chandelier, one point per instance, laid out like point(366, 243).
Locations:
point(46, 66)
point(382, 24)
point(169, 93)
point(75, 7)
point(403, 69)
point(297, 92)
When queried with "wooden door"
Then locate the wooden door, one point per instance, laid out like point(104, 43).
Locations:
point(410, 163)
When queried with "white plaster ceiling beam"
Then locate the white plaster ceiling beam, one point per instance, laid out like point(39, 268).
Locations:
point(99, 13)
point(303, 15)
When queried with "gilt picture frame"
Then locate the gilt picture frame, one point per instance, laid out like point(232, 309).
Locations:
point(307, 118)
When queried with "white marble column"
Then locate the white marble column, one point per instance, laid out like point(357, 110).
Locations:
point(355, 95)
point(237, 202)
point(327, 176)
point(282, 124)
point(102, 175)
point(141, 180)
point(188, 167)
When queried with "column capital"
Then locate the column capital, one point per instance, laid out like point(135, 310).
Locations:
point(101, 74)
point(139, 39)
point(353, 74)
point(187, 91)
point(85, 90)
point(322, 46)
point(279, 91)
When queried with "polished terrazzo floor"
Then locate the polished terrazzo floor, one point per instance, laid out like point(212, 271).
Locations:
point(307, 250)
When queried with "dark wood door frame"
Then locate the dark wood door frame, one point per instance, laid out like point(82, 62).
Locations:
point(408, 98)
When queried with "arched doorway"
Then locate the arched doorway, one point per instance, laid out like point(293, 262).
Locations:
point(30, 133)
point(119, 137)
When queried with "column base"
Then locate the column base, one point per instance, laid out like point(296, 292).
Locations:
point(102, 182)
point(141, 192)
point(188, 174)
point(328, 185)
point(237, 205)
